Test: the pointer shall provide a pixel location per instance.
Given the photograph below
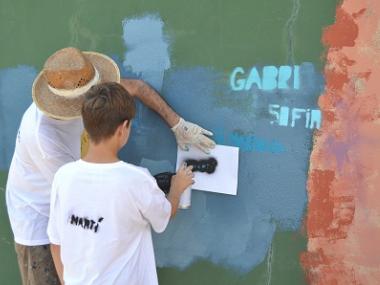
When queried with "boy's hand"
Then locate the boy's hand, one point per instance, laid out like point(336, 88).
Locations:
point(179, 183)
point(187, 134)
point(182, 180)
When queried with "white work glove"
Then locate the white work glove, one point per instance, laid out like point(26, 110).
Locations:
point(188, 134)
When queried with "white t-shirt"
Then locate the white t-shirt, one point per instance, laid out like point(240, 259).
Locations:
point(43, 145)
point(101, 215)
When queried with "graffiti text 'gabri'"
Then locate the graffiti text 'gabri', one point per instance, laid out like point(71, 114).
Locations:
point(271, 77)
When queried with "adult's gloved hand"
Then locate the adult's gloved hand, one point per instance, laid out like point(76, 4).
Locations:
point(188, 134)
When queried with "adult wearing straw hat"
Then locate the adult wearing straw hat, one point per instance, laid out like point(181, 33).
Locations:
point(49, 137)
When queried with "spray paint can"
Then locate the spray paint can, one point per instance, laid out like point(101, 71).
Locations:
point(185, 200)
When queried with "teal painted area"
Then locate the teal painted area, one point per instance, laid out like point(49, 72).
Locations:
point(15, 97)
point(206, 40)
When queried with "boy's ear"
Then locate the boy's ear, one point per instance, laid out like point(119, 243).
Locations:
point(121, 128)
point(126, 124)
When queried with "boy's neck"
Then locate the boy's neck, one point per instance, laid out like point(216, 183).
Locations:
point(101, 153)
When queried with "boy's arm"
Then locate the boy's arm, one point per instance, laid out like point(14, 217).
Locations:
point(53, 228)
point(56, 254)
point(186, 133)
point(174, 198)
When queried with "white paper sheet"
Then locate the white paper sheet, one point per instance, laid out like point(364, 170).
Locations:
point(225, 178)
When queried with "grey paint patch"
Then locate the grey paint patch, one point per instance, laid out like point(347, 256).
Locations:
point(157, 166)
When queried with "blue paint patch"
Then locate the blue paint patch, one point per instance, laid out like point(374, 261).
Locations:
point(272, 168)
point(267, 196)
point(200, 233)
point(147, 49)
point(15, 97)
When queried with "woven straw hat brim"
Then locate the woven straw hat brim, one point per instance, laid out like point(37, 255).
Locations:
point(63, 108)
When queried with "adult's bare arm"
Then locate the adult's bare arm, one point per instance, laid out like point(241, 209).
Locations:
point(186, 133)
point(151, 99)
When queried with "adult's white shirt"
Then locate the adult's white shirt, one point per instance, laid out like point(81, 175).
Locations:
point(101, 215)
point(43, 145)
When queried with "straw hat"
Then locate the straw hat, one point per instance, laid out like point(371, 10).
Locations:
point(58, 91)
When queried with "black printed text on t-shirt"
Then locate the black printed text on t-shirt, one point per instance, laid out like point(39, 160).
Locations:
point(86, 223)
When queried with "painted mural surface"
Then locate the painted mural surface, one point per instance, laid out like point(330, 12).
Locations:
point(276, 116)
point(279, 119)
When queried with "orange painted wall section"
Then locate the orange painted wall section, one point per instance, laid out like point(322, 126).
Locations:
point(343, 218)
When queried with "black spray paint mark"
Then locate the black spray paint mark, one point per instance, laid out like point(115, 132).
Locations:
point(204, 165)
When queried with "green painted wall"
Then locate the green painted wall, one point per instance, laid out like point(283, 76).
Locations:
point(219, 34)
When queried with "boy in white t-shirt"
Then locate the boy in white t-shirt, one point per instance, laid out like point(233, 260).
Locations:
point(102, 209)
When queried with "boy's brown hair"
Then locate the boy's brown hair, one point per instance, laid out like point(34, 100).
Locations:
point(105, 107)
